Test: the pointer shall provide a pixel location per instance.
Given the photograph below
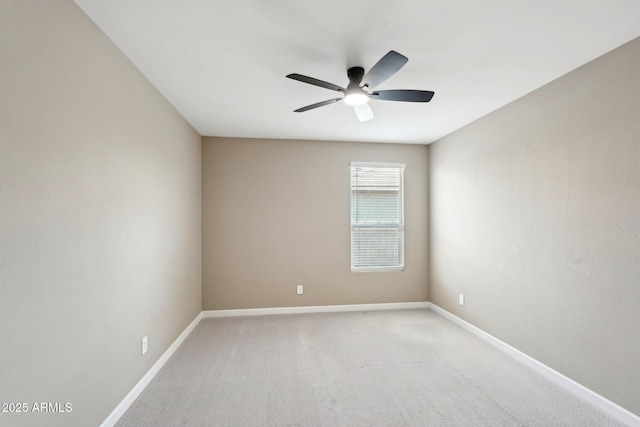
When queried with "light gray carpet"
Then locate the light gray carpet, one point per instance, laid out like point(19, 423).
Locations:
point(376, 368)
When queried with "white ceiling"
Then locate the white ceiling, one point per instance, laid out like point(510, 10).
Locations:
point(222, 63)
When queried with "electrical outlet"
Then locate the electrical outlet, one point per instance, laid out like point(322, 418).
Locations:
point(299, 290)
point(461, 299)
point(144, 345)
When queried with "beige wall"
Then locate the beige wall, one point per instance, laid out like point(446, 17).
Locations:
point(536, 219)
point(100, 216)
point(276, 215)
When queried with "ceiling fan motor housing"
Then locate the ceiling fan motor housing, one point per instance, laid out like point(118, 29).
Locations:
point(355, 75)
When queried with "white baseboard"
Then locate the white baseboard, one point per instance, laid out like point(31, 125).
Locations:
point(590, 396)
point(122, 407)
point(313, 309)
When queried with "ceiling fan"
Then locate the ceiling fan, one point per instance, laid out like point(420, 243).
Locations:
point(358, 91)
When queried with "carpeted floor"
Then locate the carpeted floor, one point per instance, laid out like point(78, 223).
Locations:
point(375, 368)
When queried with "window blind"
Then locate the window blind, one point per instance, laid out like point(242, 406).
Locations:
point(377, 216)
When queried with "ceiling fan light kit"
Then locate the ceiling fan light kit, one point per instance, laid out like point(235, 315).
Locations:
point(357, 92)
point(355, 98)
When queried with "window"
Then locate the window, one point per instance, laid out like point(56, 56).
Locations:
point(377, 216)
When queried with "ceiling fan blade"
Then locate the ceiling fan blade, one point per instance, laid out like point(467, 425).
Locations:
point(316, 105)
point(364, 112)
point(386, 67)
point(404, 95)
point(315, 82)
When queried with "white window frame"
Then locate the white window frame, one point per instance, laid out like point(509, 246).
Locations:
point(398, 224)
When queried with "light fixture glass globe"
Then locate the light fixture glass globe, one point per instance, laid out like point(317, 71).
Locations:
point(355, 98)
